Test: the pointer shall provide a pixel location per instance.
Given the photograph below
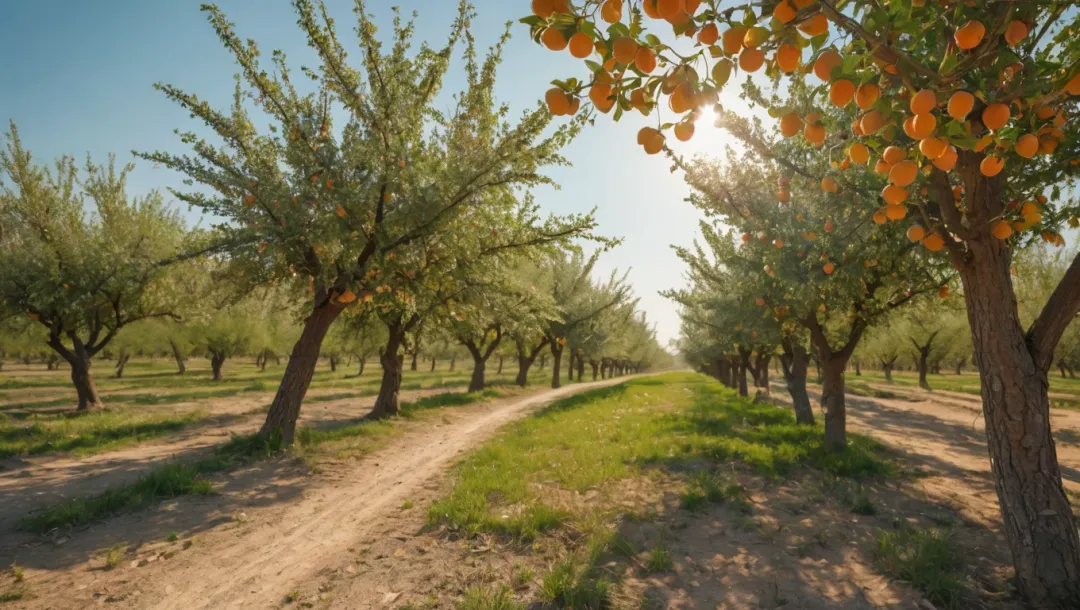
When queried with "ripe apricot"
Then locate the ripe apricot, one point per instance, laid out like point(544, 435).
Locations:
point(960, 104)
point(784, 12)
point(947, 160)
point(923, 102)
point(932, 147)
point(916, 233)
point(755, 36)
point(829, 185)
point(825, 63)
point(933, 242)
point(882, 167)
point(602, 97)
point(872, 122)
point(815, 134)
point(645, 60)
point(909, 127)
point(828, 268)
point(543, 8)
point(1048, 144)
point(991, 166)
point(1027, 145)
point(995, 116)
point(624, 50)
point(788, 57)
point(841, 92)
point(859, 153)
point(670, 9)
point(879, 217)
point(1072, 87)
point(558, 102)
point(923, 125)
point(1001, 229)
point(612, 11)
point(649, 6)
point(684, 130)
point(581, 46)
point(894, 195)
point(866, 95)
point(894, 155)
point(709, 35)
point(682, 99)
point(790, 124)
point(903, 173)
point(1015, 32)
point(896, 212)
point(553, 39)
point(969, 35)
point(733, 40)
point(814, 26)
point(751, 60)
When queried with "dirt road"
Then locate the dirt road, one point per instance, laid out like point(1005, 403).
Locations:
point(272, 528)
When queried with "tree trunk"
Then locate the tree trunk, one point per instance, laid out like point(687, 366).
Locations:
point(556, 365)
point(833, 399)
point(181, 368)
point(1038, 520)
point(121, 362)
point(285, 409)
point(415, 355)
point(761, 380)
point(476, 383)
point(960, 367)
point(1061, 367)
point(858, 368)
point(580, 368)
point(389, 400)
point(795, 361)
point(924, 354)
point(78, 358)
point(886, 367)
point(363, 361)
point(543, 361)
point(570, 366)
point(216, 361)
point(453, 361)
point(595, 368)
point(499, 372)
point(333, 363)
point(741, 377)
point(433, 364)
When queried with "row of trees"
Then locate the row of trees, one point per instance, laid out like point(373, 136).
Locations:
point(959, 115)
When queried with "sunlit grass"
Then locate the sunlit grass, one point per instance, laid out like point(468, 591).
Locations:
point(86, 434)
point(967, 383)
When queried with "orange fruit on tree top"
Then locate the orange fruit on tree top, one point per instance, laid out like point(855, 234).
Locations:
point(969, 35)
point(645, 60)
point(903, 173)
point(543, 8)
point(1001, 230)
point(896, 212)
point(859, 153)
point(814, 26)
point(947, 160)
point(709, 35)
point(814, 133)
point(923, 102)
point(624, 50)
point(581, 45)
point(1015, 32)
point(825, 63)
point(1073, 86)
point(991, 166)
point(932, 147)
point(916, 233)
point(828, 268)
point(933, 242)
point(1027, 146)
point(670, 9)
point(784, 12)
point(872, 122)
point(893, 155)
point(553, 39)
point(841, 92)
point(612, 11)
point(684, 130)
point(894, 195)
point(790, 124)
point(750, 60)
point(995, 116)
point(882, 167)
point(879, 217)
point(733, 40)
point(923, 125)
point(755, 36)
point(649, 6)
point(866, 95)
point(960, 104)
point(829, 185)
point(788, 57)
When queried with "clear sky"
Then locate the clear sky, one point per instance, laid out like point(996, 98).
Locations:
point(77, 77)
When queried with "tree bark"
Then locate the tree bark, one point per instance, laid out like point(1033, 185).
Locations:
point(595, 368)
point(433, 364)
point(741, 377)
point(181, 368)
point(388, 402)
point(960, 366)
point(1038, 520)
point(858, 368)
point(121, 362)
point(285, 409)
point(363, 361)
point(795, 361)
point(476, 383)
point(886, 368)
point(761, 379)
point(833, 399)
point(499, 372)
point(570, 366)
point(333, 363)
point(556, 365)
point(580, 368)
point(543, 361)
point(217, 359)
point(415, 355)
point(526, 358)
point(453, 361)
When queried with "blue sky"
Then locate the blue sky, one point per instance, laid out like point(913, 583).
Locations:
point(79, 79)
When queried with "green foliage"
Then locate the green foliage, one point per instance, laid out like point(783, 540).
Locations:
point(489, 598)
point(87, 434)
point(928, 559)
point(659, 559)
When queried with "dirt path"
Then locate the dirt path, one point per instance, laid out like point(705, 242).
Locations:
point(270, 530)
point(32, 483)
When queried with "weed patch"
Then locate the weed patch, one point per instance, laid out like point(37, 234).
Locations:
point(927, 559)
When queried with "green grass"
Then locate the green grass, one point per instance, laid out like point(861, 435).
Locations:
point(191, 478)
point(927, 559)
point(489, 598)
point(659, 559)
point(968, 383)
point(675, 421)
point(86, 434)
point(11, 596)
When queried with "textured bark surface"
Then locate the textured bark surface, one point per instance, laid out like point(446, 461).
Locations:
point(285, 409)
point(216, 362)
point(85, 386)
point(556, 362)
point(795, 362)
point(181, 368)
point(833, 399)
point(388, 402)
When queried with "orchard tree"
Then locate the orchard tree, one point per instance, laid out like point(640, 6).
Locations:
point(323, 205)
point(965, 107)
point(81, 258)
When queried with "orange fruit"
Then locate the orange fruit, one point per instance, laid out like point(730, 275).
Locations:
point(1001, 230)
point(750, 60)
point(896, 212)
point(991, 166)
point(784, 12)
point(558, 102)
point(932, 147)
point(828, 268)
point(575, 105)
point(652, 140)
point(815, 134)
point(983, 142)
point(947, 160)
point(602, 97)
point(859, 153)
point(916, 233)
point(670, 9)
point(779, 243)
point(684, 130)
point(880, 218)
point(970, 35)
point(649, 6)
point(783, 195)
point(909, 127)
point(960, 104)
point(871, 122)
point(755, 36)
point(553, 39)
point(733, 40)
point(903, 173)
point(934, 242)
point(1047, 145)
point(790, 124)
point(1073, 86)
point(825, 63)
point(814, 26)
point(709, 35)
point(882, 167)
point(682, 99)
point(645, 60)
point(894, 155)
point(995, 116)
point(624, 50)
point(866, 95)
point(829, 185)
point(841, 92)
point(923, 125)
point(894, 195)
point(543, 8)
point(1015, 32)
point(943, 292)
point(1027, 146)
point(923, 102)
point(561, 6)
point(788, 58)
point(581, 46)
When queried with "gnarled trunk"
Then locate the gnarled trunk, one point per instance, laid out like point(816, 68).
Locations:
point(886, 368)
point(181, 368)
point(476, 383)
point(389, 400)
point(795, 361)
point(833, 399)
point(217, 359)
point(285, 409)
point(741, 377)
point(121, 362)
point(360, 372)
point(1038, 520)
point(960, 366)
point(415, 355)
